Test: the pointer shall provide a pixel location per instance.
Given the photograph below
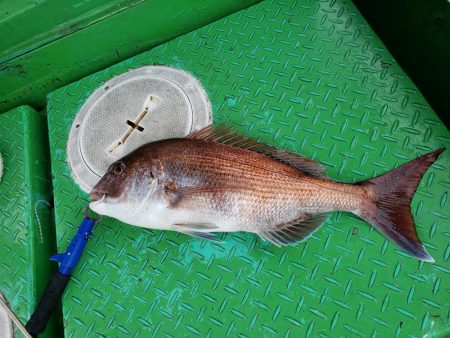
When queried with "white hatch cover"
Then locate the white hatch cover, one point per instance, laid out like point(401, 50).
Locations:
point(143, 105)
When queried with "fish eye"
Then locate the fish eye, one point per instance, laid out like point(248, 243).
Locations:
point(118, 168)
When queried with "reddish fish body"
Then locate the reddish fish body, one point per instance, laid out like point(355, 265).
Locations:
point(218, 181)
point(255, 190)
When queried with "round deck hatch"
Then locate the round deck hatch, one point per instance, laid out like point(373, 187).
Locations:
point(143, 105)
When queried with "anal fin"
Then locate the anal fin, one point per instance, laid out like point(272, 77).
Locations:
point(294, 231)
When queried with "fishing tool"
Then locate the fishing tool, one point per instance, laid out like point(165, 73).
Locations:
point(58, 283)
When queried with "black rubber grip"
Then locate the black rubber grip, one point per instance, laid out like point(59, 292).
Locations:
point(47, 304)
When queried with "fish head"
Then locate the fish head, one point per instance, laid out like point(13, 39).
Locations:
point(126, 185)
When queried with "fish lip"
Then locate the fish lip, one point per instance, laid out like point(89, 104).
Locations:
point(97, 196)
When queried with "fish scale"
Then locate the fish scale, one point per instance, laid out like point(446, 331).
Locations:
point(270, 181)
point(261, 185)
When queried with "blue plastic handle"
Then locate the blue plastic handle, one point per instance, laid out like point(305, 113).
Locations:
point(69, 259)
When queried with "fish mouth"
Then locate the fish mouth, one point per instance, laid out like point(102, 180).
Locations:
point(97, 200)
point(97, 196)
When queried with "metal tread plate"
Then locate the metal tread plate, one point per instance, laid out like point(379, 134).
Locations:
point(312, 77)
point(24, 245)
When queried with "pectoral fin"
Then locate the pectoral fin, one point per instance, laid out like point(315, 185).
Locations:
point(195, 197)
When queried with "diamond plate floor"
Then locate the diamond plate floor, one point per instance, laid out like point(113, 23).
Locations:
point(24, 246)
point(312, 77)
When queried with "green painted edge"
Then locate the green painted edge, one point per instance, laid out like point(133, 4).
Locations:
point(37, 173)
point(27, 180)
point(68, 17)
point(29, 78)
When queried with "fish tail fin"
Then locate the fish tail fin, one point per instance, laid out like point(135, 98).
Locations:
point(388, 203)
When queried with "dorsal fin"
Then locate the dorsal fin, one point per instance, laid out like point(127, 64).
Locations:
point(310, 167)
point(295, 231)
point(227, 135)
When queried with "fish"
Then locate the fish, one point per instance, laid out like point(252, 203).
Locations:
point(218, 180)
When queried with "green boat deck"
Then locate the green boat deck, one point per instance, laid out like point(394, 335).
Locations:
point(307, 76)
point(26, 234)
point(311, 78)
